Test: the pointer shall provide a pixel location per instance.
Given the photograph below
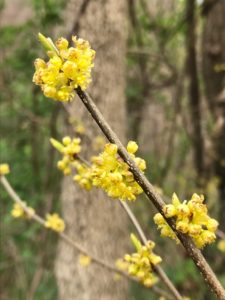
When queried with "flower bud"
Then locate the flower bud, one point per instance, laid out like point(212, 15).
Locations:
point(132, 147)
point(169, 210)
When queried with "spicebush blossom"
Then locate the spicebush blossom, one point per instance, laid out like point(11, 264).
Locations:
point(107, 171)
point(54, 222)
point(140, 264)
point(84, 260)
point(19, 212)
point(69, 149)
point(4, 169)
point(191, 219)
point(67, 68)
point(112, 174)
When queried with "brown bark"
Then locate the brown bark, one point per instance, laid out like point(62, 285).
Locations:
point(137, 106)
point(193, 89)
point(213, 50)
point(96, 221)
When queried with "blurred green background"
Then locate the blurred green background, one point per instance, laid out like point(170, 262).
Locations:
point(162, 117)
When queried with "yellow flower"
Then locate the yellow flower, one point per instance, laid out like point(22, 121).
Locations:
point(80, 129)
point(191, 218)
point(66, 69)
point(98, 143)
point(19, 212)
point(132, 147)
point(140, 264)
point(54, 222)
point(69, 148)
point(112, 174)
point(4, 169)
point(84, 260)
point(83, 176)
point(221, 245)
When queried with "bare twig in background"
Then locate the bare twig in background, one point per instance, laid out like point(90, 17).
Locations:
point(149, 190)
point(71, 242)
point(163, 276)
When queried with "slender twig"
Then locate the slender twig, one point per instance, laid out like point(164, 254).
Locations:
point(70, 241)
point(65, 237)
point(143, 237)
point(134, 221)
point(152, 195)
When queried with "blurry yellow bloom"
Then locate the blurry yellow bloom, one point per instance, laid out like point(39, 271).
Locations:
point(98, 143)
point(117, 277)
point(69, 148)
point(80, 129)
point(191, 218)
point(221, 245)
point(66, 69)
point(4, 169)
point(19, 212)
point(54, 222)
point(140, 264)
point(83, 176)
point(84, 260)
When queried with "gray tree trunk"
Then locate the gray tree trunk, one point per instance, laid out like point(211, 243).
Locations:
point(213, 50)
point(93, 219)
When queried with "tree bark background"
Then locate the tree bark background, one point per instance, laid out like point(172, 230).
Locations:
point(213, 52)
point(94, 220)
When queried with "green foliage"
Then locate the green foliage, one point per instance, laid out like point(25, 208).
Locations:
point(27, 122)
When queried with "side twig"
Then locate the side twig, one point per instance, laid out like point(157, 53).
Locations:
point(165, 279)
point(71, 242)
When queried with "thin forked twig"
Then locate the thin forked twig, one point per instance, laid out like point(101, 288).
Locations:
point(71, 242)
point(152, 195)
point(157, 269)
point(65, 237)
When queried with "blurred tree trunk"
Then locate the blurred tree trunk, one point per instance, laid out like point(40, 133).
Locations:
point(93, 219)
point(213, 51)
point(193, 89)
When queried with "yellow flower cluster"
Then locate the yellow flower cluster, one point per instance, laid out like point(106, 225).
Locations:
point(54, 222)
point(4, 169)
point(140, 264)
point(112, 174)
point(69, 148)
point(191, 218)
point(19, 212)
point(107, 171)
point(67, 68)
point(83, 176)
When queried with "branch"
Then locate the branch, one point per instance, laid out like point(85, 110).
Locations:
point(153, 197)
point(41, 221)
point(165, 279)
point(71, 242)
